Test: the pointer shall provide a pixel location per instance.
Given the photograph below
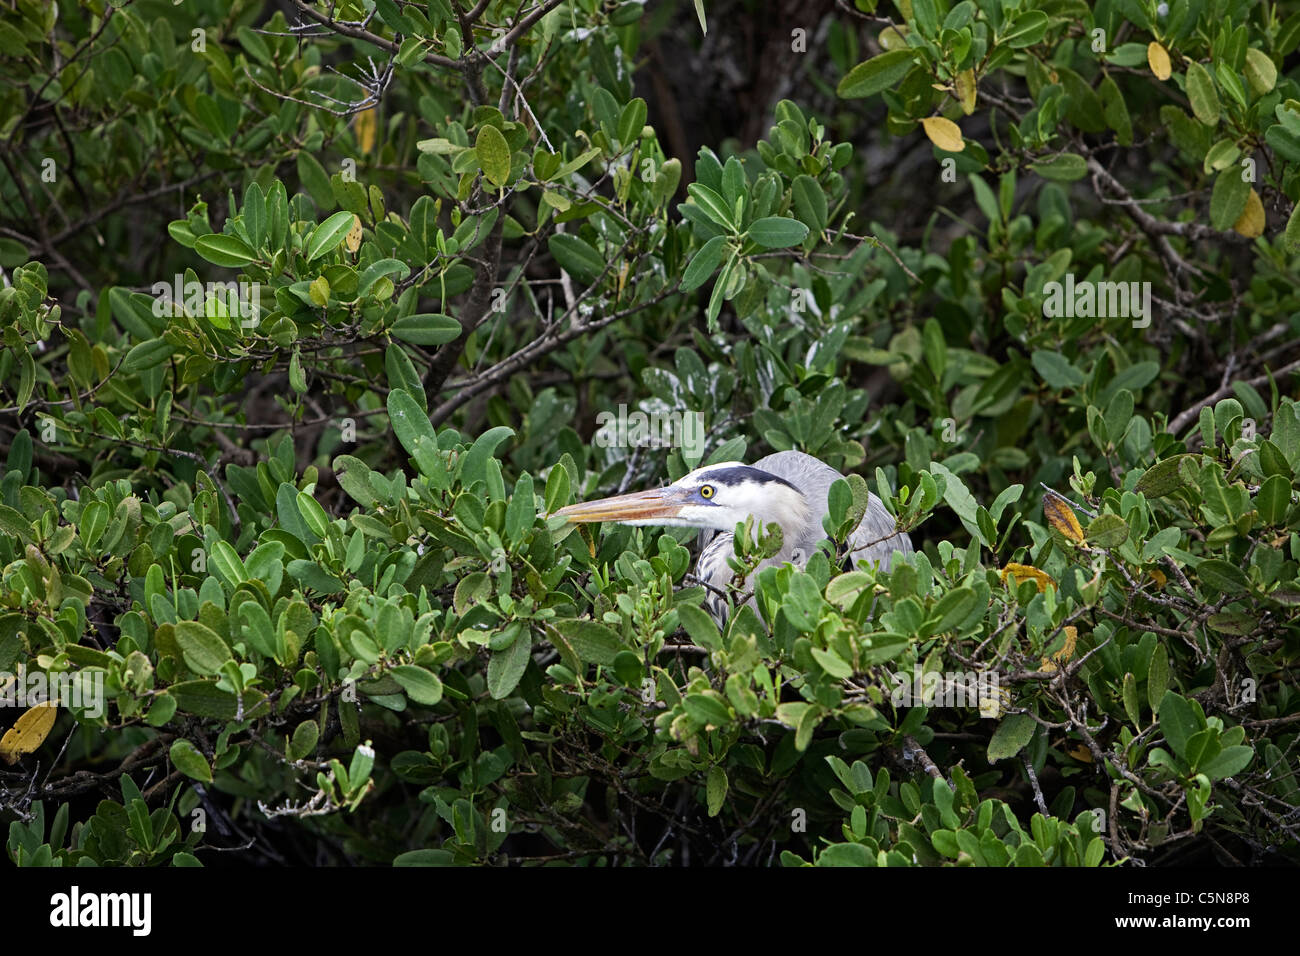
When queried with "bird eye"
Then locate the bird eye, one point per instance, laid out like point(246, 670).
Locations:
point(706, 491)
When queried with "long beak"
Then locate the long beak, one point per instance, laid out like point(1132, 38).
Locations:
point(653, 505)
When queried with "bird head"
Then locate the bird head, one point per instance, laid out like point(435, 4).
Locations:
point(715, 497)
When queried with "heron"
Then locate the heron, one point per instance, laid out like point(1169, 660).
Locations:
point(788, 488)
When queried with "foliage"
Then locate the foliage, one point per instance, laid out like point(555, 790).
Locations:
point(308, 321)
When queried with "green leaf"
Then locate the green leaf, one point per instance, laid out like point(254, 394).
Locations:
point(1115, 111)
point(426, 328)
point(1157, 678)
point(313, 513)
point(951, 610)
point(253, 211)
point(667, 181)
point(384, 267)
point(304, 740)
point(703, 264)
point(402, 374)
point(161, 710)
point(713, 205)
point(286, 510)
point(187, 759)
point(258, 629)
point(577, 257)
point(473, 464)
point(1010, 738)
point(594, 643)
point(1274, 500)
point(1261, 72)
point(94, 519)
point(1228, 762)
point(849, 854)
point(297, 377)
point(700, 626)
point(1167, 476)
point(706, 710)
point(1107, 531)
point(410, 422)
point(1131, 707)
point(1271, 459)
point(313, 176)
point(27, 376)
point(1228, 198)
point(203, 649)
point(1056, 370)
point(506, 667)
point(1222, 576)
point(1179, 720)
point(631, 121)
point(575, 164)
point(226, 562)
point(522, 509)
point(777, 232)
point(1062, 168)
point(422, 686)
point(203, 698)
point(1025, 30)
point(557, 489)
point(424, 857)
point(493, 155)
point(716, 790)
point(326, 237)
point(1221, 155)
point(1293, 230)
point(874, 75)
point(809, 202)
point(1201, 93)
point(147, 355)
point(229, 252)
point(832, 663)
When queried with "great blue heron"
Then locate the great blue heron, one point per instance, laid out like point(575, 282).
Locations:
point(788, 488)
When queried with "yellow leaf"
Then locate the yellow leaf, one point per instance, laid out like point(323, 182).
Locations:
point(944, 133)
point(1158, 60)
point(994, 704)
point(353, 239)
point(1158, 577)
point(893, 38)
point(366, 126)
point(966, 91)
point(319, 291)
point(28, 732)
point(1064, 654)
point(1251, 222)
point(1027, 572)
point(1081, 753)
point(1071, 639)
point(1061, 517)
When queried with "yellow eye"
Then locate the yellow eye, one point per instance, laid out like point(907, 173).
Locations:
point(706, 491)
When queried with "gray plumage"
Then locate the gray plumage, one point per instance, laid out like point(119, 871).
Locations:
point(789, 489)
point(875, 540)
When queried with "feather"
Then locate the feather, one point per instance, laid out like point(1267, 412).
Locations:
point(875, 539)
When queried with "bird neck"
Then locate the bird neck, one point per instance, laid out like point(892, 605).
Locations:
point(789, 509)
